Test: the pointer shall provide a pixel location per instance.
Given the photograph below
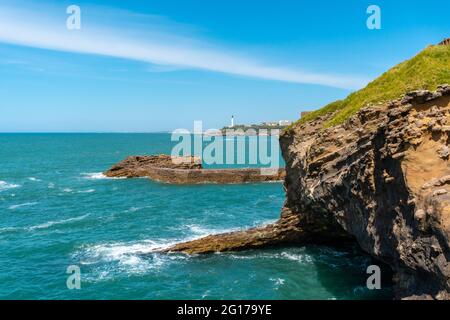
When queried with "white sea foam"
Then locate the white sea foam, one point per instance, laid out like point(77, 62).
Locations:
point(41, 226)
point(121, 251)
point(131, 257)
point(8, 229)
point(198, 230)
point(5, 185)
point(98, 176)
point(57, 222)
point(34, 179)
point(278, 282)
point(201, 231)
point(299, 257)
point(94, 175)
point(67, 190)
point(134, 257)
point(135, 209)
point(27, 204)
point(87, 191)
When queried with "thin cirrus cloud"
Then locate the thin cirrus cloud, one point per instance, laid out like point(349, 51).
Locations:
point(167, 50)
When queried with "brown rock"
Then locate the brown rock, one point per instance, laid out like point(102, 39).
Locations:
point(346, 193)
point(188, 170)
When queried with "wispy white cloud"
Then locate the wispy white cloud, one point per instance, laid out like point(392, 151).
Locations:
point(162, 46)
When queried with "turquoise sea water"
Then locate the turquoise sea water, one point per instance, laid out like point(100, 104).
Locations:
point(57, 210)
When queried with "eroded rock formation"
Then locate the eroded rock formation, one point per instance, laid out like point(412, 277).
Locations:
point(137, 166)
point(381, 178)
point(188, 170)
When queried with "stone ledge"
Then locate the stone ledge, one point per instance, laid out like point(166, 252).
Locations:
point(188, 170)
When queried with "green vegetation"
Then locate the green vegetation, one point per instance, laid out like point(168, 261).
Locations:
point(429, 69)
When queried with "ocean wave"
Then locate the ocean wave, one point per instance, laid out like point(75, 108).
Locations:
point(34, 179)
point(69, 190)
point(57, 222)
point(86, 191)
point(278, 282)
point(298, 257)
point(8, 229)
point(122, 251)
point(301, 258)
point(41, 226)
point(109, 260)
point(135, 209)
point(118, 258)
point(200, 231)
point(98, 176)
point(94, 175)
point(27, 204)
point(5, 185)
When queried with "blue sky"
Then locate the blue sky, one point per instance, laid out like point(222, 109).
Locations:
point(142, 66)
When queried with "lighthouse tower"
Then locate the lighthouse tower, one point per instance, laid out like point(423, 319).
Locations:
point(232, 122)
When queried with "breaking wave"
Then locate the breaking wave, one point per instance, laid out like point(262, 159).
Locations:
point(42, 225)
point(86, 191)
point(109, 260)
point(94, 175)
point(200, 231)
point(98, 176)
point(57, 222)
point(27, 204)
point(5, 185)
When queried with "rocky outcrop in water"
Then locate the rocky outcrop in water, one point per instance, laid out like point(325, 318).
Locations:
point(137, 166)
point(382, 178)
point(188, 170)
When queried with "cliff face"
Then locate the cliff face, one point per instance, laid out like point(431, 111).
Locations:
point(381, 179)
point(384, 178)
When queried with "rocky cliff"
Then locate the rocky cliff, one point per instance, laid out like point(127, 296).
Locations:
point(381, 178)
point(384, 177)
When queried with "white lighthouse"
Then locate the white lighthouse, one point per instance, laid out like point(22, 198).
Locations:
point(232, 122)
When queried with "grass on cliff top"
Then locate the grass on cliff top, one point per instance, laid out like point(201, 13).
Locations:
point(427, 70)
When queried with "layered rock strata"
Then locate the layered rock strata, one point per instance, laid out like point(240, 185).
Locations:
point(188, 170)
point(382, 178)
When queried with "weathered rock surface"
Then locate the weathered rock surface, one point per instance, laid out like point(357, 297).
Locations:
point(188, 170)
point(288, 230)
point(381, 178)
point(136, 166)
